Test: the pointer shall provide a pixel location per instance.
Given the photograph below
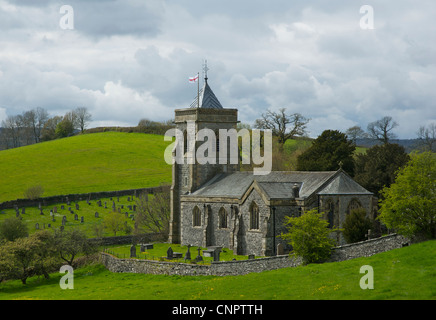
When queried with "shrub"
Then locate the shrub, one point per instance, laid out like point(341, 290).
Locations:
point(356, 225)
point(34, 192)
point(12, 229)
point(309, 236)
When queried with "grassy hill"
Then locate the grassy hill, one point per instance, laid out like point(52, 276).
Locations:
point(106, 161)
point(406, 273)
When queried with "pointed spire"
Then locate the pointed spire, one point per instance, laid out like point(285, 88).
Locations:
point(206, 98)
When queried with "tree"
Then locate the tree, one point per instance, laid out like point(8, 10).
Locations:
point(356, 225)
point(48, 132)
point(376, 169)
point(427, 137)
point(283, 126)
point(12, 229)
point(83, 117)
point(309, 236)
point(114, 221)
point(381, 129)
point(355, 133)
point(153, 215)
point(66, 127)
point(409, 204)
point(70, 243)
point(330, 151)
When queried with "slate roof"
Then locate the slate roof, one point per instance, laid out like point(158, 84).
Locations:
point(278, 184)
point(207, 98)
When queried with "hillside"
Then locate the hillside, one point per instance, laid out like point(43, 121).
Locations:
point(106, 161)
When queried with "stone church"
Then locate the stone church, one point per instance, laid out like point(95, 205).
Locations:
point(219, 205)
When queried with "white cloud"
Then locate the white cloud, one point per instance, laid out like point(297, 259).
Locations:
point(130, 59)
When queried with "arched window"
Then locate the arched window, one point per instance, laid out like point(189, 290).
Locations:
point(196, 217)
point(222, 215)
point(330, 210)
point(254, 216)
point(354, 204)
point(185, 141)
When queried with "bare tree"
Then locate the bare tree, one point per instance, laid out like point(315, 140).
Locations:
point(154, 213)
point(381, 129)
point(283, 126)
point(355, 133)
point(83, 117)
point(427, 137)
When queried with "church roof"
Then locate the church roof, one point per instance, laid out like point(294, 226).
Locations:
point(207, 98)
point(279, 184)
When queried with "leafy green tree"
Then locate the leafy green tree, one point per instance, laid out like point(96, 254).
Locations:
point(114, 221)
point(330, 151)
point(12, 229)
point(409, 204)
point(356, 225)
point(309, 236)
point(376, 169)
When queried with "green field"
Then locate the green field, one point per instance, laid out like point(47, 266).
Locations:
point(406, 273)
point(96, 162)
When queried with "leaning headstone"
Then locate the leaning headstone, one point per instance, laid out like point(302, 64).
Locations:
point(169, 253)
point(280, 249)
point(133, 251)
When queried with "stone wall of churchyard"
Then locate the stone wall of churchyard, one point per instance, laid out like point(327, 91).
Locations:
point(79, 197)
point(129, 239)
point(240, 267)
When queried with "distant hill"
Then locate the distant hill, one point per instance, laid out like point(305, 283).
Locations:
point(106, 161)
point(408, 144)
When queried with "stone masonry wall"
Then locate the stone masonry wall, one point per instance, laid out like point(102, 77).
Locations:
point(225, 268)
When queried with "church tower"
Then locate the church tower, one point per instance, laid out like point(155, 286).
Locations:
point(206, 112)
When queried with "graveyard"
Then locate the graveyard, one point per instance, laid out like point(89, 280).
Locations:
point(88, 215)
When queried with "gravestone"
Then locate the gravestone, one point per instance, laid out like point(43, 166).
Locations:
point(69, 209)
point(77, 206)
point(133, 251)
point(105, 205)
point(216, 254)
point(128, 199)
point(96, 214)
point(64, 220)
point(62, 228)
point(62, 207)
point(250, 256)
point(134, 208)
point(53, 219)
point(119, 210)
point(169, 253)
point(82, 219)
point(280, 249)
point(37, 226)
point(76, 217)
point(49, 225)
point(208, 253)
point(118, 199)
point(199, 258)
point(122, 206)
point(17, 214)
point(130, 207)
point(188, 253)
point(55, 209)
point(99, 203)
point(23, 211)
point(126, 214)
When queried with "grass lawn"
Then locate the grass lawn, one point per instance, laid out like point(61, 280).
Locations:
point(95, 162)
point(406, 273)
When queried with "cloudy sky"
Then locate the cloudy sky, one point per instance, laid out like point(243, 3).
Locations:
point(131, 59)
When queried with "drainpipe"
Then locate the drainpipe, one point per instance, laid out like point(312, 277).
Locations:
point(274, 230)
